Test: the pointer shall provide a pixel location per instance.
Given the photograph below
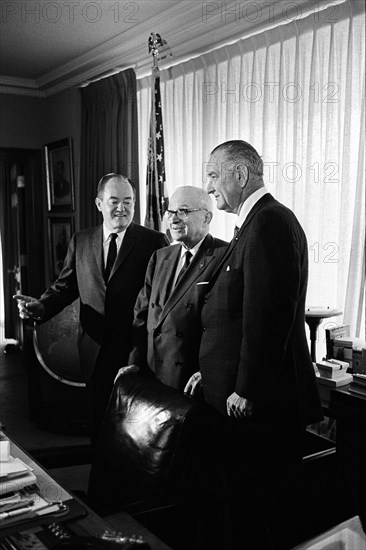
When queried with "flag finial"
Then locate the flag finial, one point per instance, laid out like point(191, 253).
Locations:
point(158, 48)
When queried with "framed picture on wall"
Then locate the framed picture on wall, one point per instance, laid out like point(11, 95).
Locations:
point(59, 174)
point(60, 231)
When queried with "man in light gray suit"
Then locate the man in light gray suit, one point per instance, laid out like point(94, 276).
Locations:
point(167, 328)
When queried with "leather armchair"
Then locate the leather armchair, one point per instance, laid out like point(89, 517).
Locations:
point(155, 458)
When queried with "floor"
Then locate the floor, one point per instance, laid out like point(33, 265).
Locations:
point(44, 444)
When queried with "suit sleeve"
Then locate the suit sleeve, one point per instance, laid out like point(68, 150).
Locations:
point(272, 273)
point(163, 241)
point(65, 289)
point(138, 354)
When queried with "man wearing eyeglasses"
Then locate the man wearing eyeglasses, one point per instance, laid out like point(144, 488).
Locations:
point(167, 327)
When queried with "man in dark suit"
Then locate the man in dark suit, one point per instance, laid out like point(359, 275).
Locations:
point(255, 366)
point(105, 267)
point(167, 325)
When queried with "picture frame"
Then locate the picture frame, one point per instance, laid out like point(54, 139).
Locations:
point(60, 175)
point(60, 231)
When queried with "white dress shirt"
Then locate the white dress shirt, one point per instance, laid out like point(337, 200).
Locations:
point(247, 205)
point(182, 258)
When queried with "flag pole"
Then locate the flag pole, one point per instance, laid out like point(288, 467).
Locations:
point(155, 176)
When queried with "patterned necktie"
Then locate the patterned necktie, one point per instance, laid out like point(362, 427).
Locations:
point(112, 254)
point(236, 231)
point(188, 256)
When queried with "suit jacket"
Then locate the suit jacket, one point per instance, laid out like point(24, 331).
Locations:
point(106, 310)
point(254, 340)
point(167, 325)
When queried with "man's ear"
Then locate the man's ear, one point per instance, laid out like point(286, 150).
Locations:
point(97, 202)
point(242, 174)
point(209, 216)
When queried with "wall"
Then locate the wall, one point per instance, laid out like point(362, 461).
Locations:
point(62, 119)
point(31, 122)
point(20, 126)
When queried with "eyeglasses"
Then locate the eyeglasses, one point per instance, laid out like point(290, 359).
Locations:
point(182, 213)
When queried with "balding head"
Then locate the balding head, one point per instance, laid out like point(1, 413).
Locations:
point(189, 214)
point(117, 178)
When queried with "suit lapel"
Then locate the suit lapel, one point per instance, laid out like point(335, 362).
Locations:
point(258, 205)
point(167, 272)
point(127, 245)
point(97, 243)
point(198, 265)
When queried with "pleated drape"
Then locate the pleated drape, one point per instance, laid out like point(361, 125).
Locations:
point(109, 138)
point(8, 254)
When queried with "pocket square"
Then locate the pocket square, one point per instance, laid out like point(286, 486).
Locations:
point(202, 283)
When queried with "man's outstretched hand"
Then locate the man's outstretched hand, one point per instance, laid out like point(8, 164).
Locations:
point(29, 307)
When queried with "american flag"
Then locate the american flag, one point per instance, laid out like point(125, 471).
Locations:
point(157, 200)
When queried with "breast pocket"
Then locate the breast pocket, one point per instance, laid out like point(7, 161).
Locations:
point(229, 291)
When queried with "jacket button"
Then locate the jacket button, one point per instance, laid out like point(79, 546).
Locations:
point(189, 305)
point(204, 329)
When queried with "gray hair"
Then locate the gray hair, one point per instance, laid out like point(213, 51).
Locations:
point(240, 151)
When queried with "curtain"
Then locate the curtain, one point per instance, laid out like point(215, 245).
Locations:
point(8, 257)
point(296, 93)
point(109, 138)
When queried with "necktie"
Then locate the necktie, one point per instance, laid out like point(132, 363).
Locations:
point(187, 259)
point(112, 253)
point(236, 231)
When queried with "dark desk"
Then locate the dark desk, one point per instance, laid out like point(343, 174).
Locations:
point(88, 525)
point(325, 392)
point(349, 410)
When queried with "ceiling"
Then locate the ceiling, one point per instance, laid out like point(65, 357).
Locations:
point(46, 46)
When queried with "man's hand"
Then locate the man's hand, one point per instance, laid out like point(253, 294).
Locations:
point(194, 384)
point(29, 307)
point(127, 370)
point(239, 407)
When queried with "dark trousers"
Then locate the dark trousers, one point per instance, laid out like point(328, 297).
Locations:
point(99, 388)
point(254, 460)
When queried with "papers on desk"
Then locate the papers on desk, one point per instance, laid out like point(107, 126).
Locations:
point(334, 382)
point(15, 475)
point(12, 468)
point(348, 535)
point(22, 506)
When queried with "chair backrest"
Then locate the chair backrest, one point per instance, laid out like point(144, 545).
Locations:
point(150, 445)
